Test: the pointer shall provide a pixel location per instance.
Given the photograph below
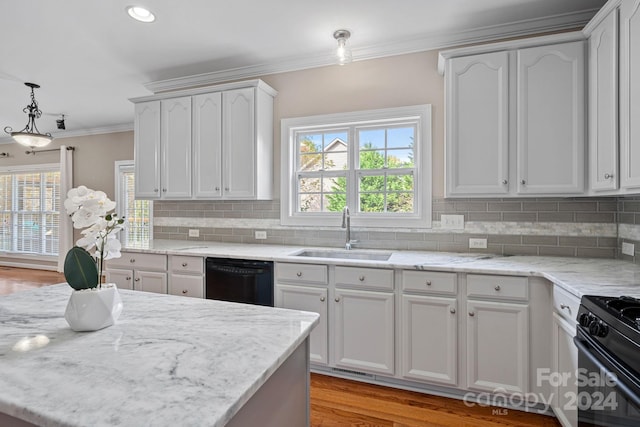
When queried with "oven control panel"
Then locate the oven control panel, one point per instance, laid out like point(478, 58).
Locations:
point(595, 326)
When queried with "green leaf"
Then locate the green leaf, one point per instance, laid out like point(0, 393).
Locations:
point(80, 269)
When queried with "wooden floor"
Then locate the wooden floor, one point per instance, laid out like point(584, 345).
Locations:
point(337, 402)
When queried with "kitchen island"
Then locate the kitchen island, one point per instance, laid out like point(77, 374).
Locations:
point(167, 361)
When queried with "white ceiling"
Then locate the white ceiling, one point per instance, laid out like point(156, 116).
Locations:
point(90, 57)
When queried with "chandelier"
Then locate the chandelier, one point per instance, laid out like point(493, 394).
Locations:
point(30, 136)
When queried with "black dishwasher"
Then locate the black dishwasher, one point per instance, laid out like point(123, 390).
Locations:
point(240, 280)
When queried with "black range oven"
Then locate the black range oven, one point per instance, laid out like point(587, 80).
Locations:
point(608, 341)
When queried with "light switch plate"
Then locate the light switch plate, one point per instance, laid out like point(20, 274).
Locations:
point(628, 249)
point(477, 243)
point(452, 222)
point(261, 235)
point(194, 232)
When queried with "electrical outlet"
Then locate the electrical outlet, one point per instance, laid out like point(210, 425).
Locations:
point(452, 222)
point(477, 243)
point(194, 232)
point(628, 249)
point(261, 235)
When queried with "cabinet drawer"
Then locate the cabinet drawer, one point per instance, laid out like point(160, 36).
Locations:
point(139, 261)
point(429, 282)
point(565, 304)
point(186, 264)
point(188, 286)
point(362, 276)
point(498, 287)
point(302, 273)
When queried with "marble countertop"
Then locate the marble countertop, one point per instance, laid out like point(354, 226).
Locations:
point(580, 276)
point(168, 361)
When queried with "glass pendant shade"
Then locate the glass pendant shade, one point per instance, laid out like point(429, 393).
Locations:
point(31, 139)
point(343, 53)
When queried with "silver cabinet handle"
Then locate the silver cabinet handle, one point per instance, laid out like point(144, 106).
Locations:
point(565, 307)
point(137, 279)
point(184, 264)
point(337, 300)
point(184, 291)
point(164, 190)
point(226, 188)
point(452, 310)
point(523, 182)
point(608, 175)
point(127, 278)
point(428, 283)
point(505, 182)
point(299, 274)
point(217, 188)
point(497, 288)
point(471, 313)
point(132, 260)
point(155, 190)
point(361, 278)
point(322, 299)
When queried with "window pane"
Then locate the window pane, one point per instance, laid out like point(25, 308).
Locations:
point(400, 202)
point(137, 213)
point(372, 159)
point(325, 194)
point(400, 137)
point(28, 233)
point(310, 185)
point(371, 138)
point(335, 202)
point(400, 183)
point(5, 231)
point(310, 202)
point(371, 202)
point(400, 159)
point(5, 192)
point(322, 151)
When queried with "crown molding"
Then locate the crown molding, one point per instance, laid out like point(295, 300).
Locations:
point(82, 132)
point(424, 43)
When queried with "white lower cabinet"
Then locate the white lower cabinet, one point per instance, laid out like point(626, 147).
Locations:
point(363, 336)
point(497, 346)
point(138, 271)
point(312, 299)
point(186, 276)
point(429, 339)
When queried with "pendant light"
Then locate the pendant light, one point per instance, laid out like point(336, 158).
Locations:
point(343, 53)
point(30, 136)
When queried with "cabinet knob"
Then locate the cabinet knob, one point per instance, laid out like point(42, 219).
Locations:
point(565, 307)
point(184, 264)
point(505, 182)
point(322, 299)
point(452, 310)
point(132, 260)
point(497, 288)
point(226, 188)
point(608, 175)
point(137, 279)
point(184, 291)
point(361, 278)
point(337, 300)
point(127, 278)
point(164, 190)
point(471, 313)
point(299, 274)
point(428, 282)
point(523, 182)
point(155, 190)
point(217, 188)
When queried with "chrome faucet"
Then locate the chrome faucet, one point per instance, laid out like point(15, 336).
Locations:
point(346, 223)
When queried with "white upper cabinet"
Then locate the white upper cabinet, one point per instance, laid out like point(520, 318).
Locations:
point(630, 94)
point(603, 104)
point(208, 143)
point(478, 124)
point(515, 118)
point(550, 124)
point(146, 136)
point(175, 143)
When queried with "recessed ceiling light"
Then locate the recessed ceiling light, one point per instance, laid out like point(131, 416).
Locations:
point(141, 14)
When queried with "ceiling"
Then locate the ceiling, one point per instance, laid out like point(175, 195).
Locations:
point(89, 57)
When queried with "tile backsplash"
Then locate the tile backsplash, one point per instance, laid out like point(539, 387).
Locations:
point(577, 227)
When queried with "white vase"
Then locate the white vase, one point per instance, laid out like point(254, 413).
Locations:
point(93, 309)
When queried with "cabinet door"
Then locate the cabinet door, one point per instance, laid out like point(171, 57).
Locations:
point(150, 281)
point(630, 93)
point(363, 337)
point(238, 143)
point(175, 140)
point(186, 285)
point(312, 299)
point(207, 145)
point(122, 278)
point(550, 123)
point(603, 104)
point(565, 363)
point(477, 148)
point(426, 321)
point(147, 150)
point(497, 346)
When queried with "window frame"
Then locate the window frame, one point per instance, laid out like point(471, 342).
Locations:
point(387, 118)
point(121, 166)
point(32, 169)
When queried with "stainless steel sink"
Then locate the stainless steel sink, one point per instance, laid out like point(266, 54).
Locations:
point(338, 254)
